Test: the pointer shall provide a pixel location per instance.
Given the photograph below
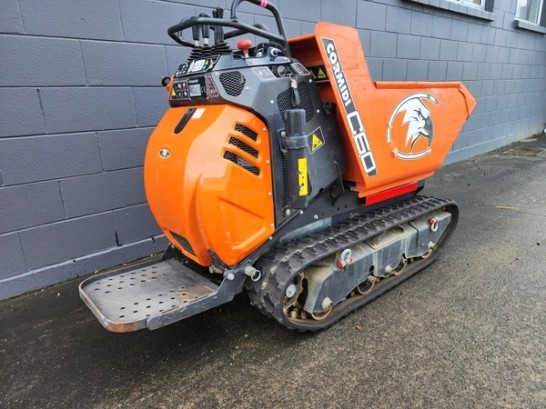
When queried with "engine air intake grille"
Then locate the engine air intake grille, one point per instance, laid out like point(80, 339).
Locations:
point(286, 180)
point(284, 101)
point(243, 149)
point(245, 130)
point(241, 162)
point(233, 82)
point(183, 242)
point(241, 145)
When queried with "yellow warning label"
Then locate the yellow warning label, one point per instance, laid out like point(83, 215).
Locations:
point(318, 72)
point(173, 93)
point(316, 142)
point(302, 177)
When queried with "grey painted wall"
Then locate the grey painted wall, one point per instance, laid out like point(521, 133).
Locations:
point(79, 95)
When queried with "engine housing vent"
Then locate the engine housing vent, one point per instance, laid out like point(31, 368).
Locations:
point(245, 130)
point(284, 101)
point(233, 82)
point(183, 242)
point(242, 142)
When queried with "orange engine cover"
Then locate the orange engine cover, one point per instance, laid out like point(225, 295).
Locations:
point(209, 185)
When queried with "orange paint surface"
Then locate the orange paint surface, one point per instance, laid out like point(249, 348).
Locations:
point(394, 133)
point(199, 193)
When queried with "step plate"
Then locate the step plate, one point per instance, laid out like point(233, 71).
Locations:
point(126, 300)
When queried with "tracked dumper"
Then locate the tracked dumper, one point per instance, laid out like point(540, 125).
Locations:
point(281, 169)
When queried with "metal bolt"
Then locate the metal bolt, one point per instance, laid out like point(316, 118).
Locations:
point(291, 290)
point(433, 221)
point(287, 212)
point(230, 276)
point(326, 303)
point(283, 133)
point(250, 271)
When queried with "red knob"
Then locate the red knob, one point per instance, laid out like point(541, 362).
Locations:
point(244, 45)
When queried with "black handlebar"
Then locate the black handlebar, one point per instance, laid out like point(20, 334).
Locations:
point(265, 4)
point(203, 22)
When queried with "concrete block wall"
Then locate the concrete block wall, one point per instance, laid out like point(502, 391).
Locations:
point(80, 94)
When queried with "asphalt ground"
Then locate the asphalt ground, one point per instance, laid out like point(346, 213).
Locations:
point(467, 332)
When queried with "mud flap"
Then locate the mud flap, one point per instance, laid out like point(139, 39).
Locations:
point(153, 294)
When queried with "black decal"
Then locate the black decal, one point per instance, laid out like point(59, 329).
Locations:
point(352, 115)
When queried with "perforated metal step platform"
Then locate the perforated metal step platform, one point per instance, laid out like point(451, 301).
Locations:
point(147, 295)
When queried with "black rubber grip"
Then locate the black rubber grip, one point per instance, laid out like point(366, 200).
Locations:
point(185, 118)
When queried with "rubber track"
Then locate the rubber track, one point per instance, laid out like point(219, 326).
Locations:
point(280, 265)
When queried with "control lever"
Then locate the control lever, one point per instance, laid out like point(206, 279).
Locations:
point(296, 100)
point(244, 45)
point(195, 33)
point(218, 30)
point(205, 30)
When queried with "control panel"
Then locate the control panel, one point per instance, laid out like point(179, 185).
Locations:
point(196, 66)
point(191, 80)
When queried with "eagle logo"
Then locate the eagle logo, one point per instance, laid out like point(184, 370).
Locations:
point(413, 116)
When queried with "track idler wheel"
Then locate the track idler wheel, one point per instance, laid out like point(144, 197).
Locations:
point(399, 269)
point(367, 286)
point(323, 315)
point(292, 292)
